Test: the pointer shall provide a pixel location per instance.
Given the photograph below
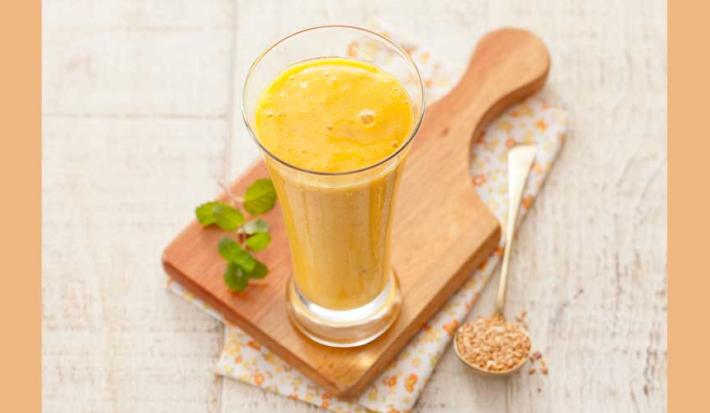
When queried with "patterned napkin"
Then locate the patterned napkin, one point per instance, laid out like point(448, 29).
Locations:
point(399, 386)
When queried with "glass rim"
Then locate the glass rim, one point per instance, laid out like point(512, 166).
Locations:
point(389, 42)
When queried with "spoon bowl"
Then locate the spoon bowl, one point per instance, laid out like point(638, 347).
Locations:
point(485, 372)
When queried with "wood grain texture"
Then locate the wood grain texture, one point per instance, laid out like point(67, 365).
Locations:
point(137, 131)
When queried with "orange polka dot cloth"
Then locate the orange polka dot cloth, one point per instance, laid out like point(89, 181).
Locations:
point(399, 386)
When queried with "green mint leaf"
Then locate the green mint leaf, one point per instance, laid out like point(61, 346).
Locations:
point(215, 212)
point(235, 254)
point(260, 197)
point(228, 217)
point(256, 226)
point(259, 271)
point(235, 278)
point(258, 242)
point(205, 213)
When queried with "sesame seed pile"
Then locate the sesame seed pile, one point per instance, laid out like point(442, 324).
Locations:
point(493, 344)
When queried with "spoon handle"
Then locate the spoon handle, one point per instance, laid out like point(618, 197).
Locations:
point(520, 160)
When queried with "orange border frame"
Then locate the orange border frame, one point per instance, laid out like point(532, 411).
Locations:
point(20, 175)
point(688, 205)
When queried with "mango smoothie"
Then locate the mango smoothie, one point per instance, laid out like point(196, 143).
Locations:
point(334, 121)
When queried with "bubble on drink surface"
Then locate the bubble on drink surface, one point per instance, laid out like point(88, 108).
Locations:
point(367, 116)
point(304, 84)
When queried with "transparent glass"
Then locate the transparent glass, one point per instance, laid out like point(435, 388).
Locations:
point(343, 291)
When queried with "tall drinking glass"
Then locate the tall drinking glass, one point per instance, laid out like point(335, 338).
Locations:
point(343, 291)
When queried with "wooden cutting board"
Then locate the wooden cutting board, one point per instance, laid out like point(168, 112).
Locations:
point(442, 229)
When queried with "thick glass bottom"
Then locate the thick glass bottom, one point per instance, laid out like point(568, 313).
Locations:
point(345, 328)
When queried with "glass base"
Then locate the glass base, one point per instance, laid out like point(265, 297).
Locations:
point(344, 328)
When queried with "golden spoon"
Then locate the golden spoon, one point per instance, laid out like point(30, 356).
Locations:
point(492, 345)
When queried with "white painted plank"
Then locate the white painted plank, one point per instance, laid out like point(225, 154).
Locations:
point(114, 339)
point(136, 73)
point(150, 15)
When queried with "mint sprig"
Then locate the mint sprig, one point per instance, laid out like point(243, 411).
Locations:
point(250, 236)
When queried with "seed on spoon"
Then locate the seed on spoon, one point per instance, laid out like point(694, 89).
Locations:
point(493, 344)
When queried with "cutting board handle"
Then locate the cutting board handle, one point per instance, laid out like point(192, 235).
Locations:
point(507, 66)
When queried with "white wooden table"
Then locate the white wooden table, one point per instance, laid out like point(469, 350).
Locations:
point(138, 97)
